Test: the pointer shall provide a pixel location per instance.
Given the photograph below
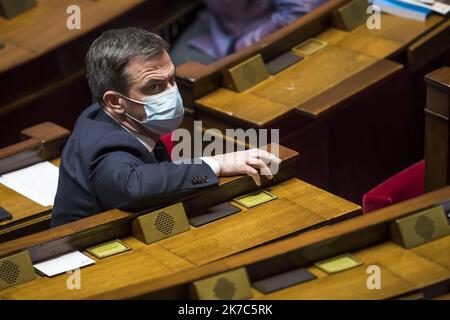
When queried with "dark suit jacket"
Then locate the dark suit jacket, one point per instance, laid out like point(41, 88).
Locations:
point(103, 167)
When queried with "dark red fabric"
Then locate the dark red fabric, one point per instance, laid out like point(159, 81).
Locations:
point(168, 143)
point(405, 185)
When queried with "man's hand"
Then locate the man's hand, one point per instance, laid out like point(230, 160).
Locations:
point(246, 162)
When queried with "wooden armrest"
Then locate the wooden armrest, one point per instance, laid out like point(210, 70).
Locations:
point(20, 155)
point(45, 132)
point(44, 141)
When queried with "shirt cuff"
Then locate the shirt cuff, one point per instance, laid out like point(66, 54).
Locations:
point(213, 164)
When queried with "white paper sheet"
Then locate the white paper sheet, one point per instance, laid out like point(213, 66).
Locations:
point(37, 182)
point(64, 263)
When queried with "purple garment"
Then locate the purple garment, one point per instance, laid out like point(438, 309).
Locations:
point(236, 24)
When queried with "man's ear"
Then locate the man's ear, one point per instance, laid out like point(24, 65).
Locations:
point(114, 103)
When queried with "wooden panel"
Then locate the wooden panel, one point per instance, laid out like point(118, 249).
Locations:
point(349, 88)
point(350, 284)
point(215, 240)
point(394, 35)
point(437, 251)
point(401, 272)
point(197, 79)
point(403, 30)
point(11, 54)
point(289, 89)
point(116, 223)
point(338, 237)
point(415, 268)
point(43, 142)
point(428, 47)
point(142, 263)
point(362, 40)
point(437, 129)
point(314, 199)
point(241, 231)
point(257, 111)
point(44, 27)
point(332, 35)
point(346, 55)
point(20, 206)
point(312, 76)
point(437, 151)
point(443, 297)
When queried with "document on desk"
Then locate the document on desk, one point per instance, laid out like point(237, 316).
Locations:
point(439, 6)
point(37, 182)
point(64, 263)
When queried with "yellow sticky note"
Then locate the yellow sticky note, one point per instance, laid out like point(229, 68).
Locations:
point(108, 249)
point(339, 263)
point(255, 199)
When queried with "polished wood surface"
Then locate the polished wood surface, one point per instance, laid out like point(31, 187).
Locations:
point(401, 272)
point(44, 141)
point(379, 72)
point(144, 262)
point(299, 207)
point(428, 47)
point(20, 206)
point(366, 236)
point(352, 107)
point(394, 35)
point(197, 246)
point(437, 129)
point(436, 251)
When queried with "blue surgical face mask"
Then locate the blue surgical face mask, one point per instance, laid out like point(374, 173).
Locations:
point(164, 111)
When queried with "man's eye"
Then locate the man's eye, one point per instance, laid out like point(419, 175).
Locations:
point(155, 87)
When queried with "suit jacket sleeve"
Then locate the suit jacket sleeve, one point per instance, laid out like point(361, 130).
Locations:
point(121, 180)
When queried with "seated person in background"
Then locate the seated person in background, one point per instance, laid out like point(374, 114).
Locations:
point(114, 158)
point(227, 26)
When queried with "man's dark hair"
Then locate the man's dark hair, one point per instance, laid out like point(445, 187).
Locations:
point(109, 54)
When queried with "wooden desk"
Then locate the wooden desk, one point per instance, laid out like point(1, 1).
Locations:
point(402, 272)
point(43, 27)
point(436, 251)
point(347, 54)
point(341, 107)
point(196, 79)
point(424, 269)
point(198, 246)
point(42, 142)
point(300, 206)
point(28, 216)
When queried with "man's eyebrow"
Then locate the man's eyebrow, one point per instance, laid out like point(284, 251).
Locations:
point(152, 82)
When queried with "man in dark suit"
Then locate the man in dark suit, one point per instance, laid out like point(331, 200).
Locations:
point(114, 158)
